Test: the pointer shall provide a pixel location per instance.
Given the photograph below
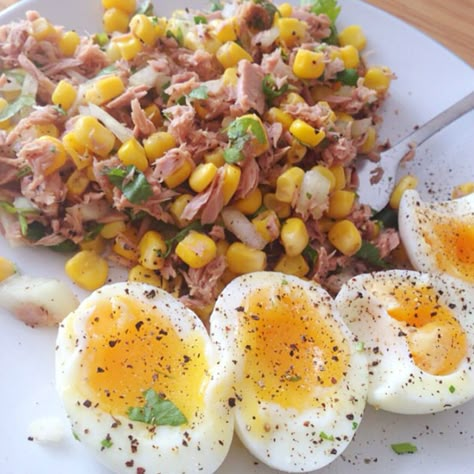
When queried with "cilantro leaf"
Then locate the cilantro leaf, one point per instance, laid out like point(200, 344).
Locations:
point(311, 254)
point(270, 90)
point(178, 237)
point(387, 217)
point(200, 93)
point(14, 107)
point(157, 411)
point(106, 443)
point(328, 7)
point(404, 448)
point(178, 36)
point(370, 253)
point(240, 131)
point(348, 77)
point(325, 436)
point(200, 20)
point(131, 182)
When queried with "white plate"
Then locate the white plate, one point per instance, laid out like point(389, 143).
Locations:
point(430, 78)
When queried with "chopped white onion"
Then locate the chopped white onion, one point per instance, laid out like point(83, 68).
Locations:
point(148, 76)
point(313, 196)
point(242, 228)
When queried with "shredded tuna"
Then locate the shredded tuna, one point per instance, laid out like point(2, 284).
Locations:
point(249, 87)
point(170, 162)
point(125, 99)
point(143, 125)
point(387, 241)
point(248, 178)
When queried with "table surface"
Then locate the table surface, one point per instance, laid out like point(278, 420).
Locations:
point(449, 22)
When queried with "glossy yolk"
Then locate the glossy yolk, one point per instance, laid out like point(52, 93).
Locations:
point(452, 241)
point(131, 348)
point(292, 354)
point(436, 340)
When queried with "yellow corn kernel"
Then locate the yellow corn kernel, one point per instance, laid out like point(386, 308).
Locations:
point(69, 42)
point(97, 244)
point(324, 224)
point(243, 259)
point(157, 144)
point(282, 209)
point(143, 28)
point(229, 78)
point(161, 26)
point(215, 157)
point(326, 172)
point(378, 78)
point(296, 152)
point(153, 113)
point(228, 276)
point(350, 56)
point(292, 98)
point(177, 207)
point(151, 249)
point(353, 35)
point(125, 244)
point(230, 53)
point(222, 246)
point(345, 237)
point(306, 134)
point(129, 46)
point(180, 175)
point(64, 94)
point(343, 117)
point(308, 64)
point(132, 153)
point(105, 90)
point(321, 92)
point(76, 150)
point(462, 190)
point(288, 184)
point(262, 223)
point(294, 236)
point(7, 268)
point(141, 274)
point(231, 181)
point(77, 182)
point(112, 229)
point(128, 6)
point(194, 40)
point(202, 176)
point(224, 30)
point(196, 249)
point(87, 269)
point(285, 9)
point(340, 176)
point(276, 114)
point(369, 142)
point(92, 134)
point(47, 129)
point(340, 204)
point(115, 20)
point(4, 124)
point(58, 152)
point(296, 265)
point(42, 29)
point(291, 30)
point(407, 182)
point(250, 203)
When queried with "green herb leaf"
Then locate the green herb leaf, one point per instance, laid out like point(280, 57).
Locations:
point(35, 231)
point(157, 411)
point(370, 253)
point(106, 443)
point(360, 346)
point(387, 217)
point(178, 36)
point(216, 5)
point(199, 93)
point(59, 110)
point(452, 389)
point(23, 224)
point(107, 70)
point(271, 9)
point(293, 378)
point(178, 237)
point(65, 246)
point(101, 39)
point(240, 131)
point(404, 448)
point(200, 20)
point(355, 425)
point(232, 155)
point(311, 254)
point(131, 182)
point(325, 436)
point(349, 77)
point(145, 8)
point(328, 7)
point(270, 90)
point(76, 436)
point(14, 107)
point(25, 171)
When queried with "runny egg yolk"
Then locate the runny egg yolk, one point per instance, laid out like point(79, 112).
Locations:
point(292, 353)
point(452, 240)
point(131, 348)
point(436, 340)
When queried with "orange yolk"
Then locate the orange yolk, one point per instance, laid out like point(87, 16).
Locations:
point(453, 244)
point(290, 350)
point(131, 348)
point(436, 340)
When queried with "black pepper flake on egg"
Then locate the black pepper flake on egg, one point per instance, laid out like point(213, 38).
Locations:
point(100, 370)
point(129, 463)
point(113, 343)
point(87, 403)
point(141, 470)
point(334, 451)
point(139, 325)
point(231, 402)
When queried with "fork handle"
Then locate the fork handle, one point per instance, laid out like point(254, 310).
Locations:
point(421, 134)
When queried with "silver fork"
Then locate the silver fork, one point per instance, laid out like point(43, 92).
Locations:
point(377, 195)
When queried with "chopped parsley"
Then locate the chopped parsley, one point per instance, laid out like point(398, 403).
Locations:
point(200, 20)
point(355, 425)
point(178, 237)
point(131, 182)
point(106, 443)
point(311, 254)
point(452, 389)
point(326, 437)
point(387, 217)
point(157, 411)
point(178, 36)
point(240, 131)
point(404, 448)
point(370, 253)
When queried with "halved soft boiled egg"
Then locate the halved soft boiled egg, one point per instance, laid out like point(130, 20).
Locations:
point(418, 332)
point(300, 384)
point(439, 236)
point(141, 383)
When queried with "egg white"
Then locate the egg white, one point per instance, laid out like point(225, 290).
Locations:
point(200, 445)
point(415, 219)
point(396, 383)
point(293, 439)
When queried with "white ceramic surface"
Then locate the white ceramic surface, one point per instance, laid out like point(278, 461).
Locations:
point(429, 79)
